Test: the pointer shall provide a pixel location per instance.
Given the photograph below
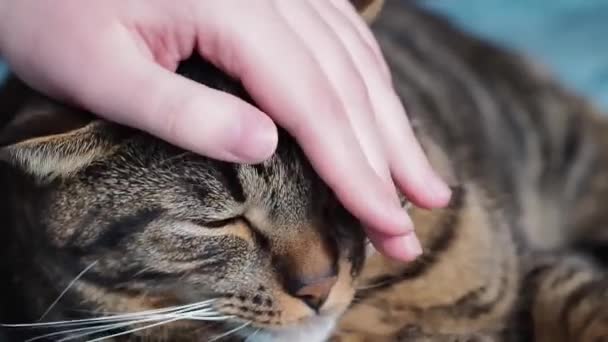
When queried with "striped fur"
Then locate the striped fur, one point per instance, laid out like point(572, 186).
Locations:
point(129, 223)
point(529, 162)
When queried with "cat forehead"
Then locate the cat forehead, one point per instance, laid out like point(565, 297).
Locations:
point(147, 165)
point(287, 170)
point(148, 176)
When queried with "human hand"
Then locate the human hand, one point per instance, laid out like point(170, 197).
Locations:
point(312, 65)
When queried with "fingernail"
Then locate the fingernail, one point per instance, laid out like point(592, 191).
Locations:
point(412, 245)
point(439, 189)
point(258, 140)
point(405, 220)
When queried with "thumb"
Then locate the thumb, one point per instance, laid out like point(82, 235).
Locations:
point(183, 112)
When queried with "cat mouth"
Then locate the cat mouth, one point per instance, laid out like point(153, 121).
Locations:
point(312, 329)
point(307, 329)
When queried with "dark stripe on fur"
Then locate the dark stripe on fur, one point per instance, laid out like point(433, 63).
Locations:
point(432, 254)
point(117, 231)
point(231, 181)
point(574, 300)
point(470, 304)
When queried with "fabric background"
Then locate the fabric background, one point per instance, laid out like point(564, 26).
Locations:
point(569, 36)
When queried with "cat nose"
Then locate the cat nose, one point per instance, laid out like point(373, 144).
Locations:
point(313, 292)
point(308, 267)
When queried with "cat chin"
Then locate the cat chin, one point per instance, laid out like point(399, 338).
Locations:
point(316, 329)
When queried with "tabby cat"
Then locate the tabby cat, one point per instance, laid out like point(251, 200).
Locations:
point(109, 233)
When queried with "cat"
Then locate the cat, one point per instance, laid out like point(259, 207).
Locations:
point(109, 233)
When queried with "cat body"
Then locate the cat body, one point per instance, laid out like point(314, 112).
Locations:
point(528, 162)
point(163, 245)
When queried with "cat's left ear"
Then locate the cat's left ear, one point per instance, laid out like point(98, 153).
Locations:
point(47, 141)
point(368, 9)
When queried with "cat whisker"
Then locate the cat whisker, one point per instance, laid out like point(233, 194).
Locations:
point(196, 311)
point(252, 335)
point(206, 304)
point(67, 289)
point(211, 316)
point(89, 330)
point(143, 270)
point(230, 332)
point(179, 317)
point(196, 307)
point(206, 315)
point(164, 161)
point(108, 326)
point(111, 327)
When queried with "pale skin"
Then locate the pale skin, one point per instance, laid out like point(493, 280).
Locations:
point(313, 67)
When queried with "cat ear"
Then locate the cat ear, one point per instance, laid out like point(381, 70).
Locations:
point(368, 9)
point(48, 141)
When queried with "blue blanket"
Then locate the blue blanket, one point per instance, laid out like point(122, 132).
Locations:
point(569, 36)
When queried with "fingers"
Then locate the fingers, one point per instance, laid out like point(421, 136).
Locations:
point(299, 95)
point(187, 114)
point(353, 70)
point(344, 77)
point(116, 75)
point(403, 247)
point(313, 66)
point(408, 164)
point(347, 11)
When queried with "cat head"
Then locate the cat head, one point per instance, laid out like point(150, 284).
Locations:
point(156, 227)
point(135, 226)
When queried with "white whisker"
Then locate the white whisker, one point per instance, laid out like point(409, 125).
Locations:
point(194, 307)
point(135, 330)
point(93, 330)
point(208, 319)
point(67, 289)
point(105, 326)
point(252, 335)
point(230, 332)
point(201, 311)
point(177, 156)
point(110, 327)
point(143, 270)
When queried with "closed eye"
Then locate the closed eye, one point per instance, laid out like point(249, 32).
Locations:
point(260, 239)
point(217, 223)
